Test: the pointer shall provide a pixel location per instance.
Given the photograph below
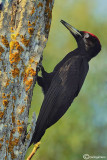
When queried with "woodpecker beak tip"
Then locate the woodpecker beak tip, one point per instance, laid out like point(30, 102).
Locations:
point(73, 30)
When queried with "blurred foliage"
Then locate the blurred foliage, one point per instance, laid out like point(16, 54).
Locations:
point(83, 129)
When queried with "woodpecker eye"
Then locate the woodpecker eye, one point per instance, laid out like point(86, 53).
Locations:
point(87, 35)
point(89, 39)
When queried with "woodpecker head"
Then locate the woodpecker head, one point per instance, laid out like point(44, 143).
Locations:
point(85, 40)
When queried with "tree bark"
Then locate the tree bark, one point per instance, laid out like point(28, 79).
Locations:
point(24, 29)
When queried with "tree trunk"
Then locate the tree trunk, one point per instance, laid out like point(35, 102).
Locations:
point(24, 29)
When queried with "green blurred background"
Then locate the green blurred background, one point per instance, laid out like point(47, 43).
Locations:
point(83, 129)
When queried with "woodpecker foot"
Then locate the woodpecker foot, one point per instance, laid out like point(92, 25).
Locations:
point(36, 146)
point(39, 66)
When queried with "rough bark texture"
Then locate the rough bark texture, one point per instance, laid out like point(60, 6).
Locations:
point(24, 29)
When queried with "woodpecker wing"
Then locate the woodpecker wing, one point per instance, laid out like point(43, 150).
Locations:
point(64, 87)
point(72, 78)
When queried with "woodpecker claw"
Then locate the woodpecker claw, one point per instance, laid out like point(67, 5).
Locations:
point(39, 66)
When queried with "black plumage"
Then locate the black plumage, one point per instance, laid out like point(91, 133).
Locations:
point(61, 86)
point(1, 6)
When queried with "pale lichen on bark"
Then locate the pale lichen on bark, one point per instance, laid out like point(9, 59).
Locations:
point(24, 29)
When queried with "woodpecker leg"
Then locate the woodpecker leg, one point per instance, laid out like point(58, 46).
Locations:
point(36, 146)
point(40, 81)
point(44, 73)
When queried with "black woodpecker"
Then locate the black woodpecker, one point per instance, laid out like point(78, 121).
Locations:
point(61, 86)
